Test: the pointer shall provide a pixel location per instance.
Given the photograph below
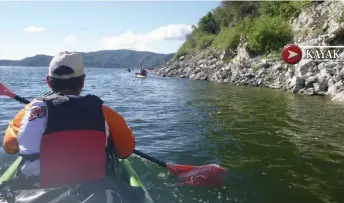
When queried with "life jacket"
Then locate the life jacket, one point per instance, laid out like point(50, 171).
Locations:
point(73, 144)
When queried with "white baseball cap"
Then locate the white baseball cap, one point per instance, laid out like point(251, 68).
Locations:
point(66, 65)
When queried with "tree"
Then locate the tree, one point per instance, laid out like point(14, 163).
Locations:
point(207, 24)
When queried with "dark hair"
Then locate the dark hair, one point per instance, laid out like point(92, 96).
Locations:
point(66, 85)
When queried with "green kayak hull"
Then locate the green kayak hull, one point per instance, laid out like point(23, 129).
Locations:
point(134, 178)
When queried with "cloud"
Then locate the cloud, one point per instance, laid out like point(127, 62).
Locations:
point(130, 40)
point(170, 32)
point(32, 29)
point(71, 39)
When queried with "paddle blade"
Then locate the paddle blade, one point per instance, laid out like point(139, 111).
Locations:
point(207, 175)
point(5, 91)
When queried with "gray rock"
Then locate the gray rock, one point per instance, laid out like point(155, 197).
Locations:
point(309, 91)
point(338, 97)
point(335, 88)
point(277, 66)
point(320, 87)
point(309, 81)
point(297, 83)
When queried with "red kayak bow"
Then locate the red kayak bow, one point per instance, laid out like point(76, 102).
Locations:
point(206, 175)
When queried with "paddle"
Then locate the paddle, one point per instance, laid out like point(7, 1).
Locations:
point(210, 175)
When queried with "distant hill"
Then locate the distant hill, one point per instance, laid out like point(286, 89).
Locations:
point(108, 59)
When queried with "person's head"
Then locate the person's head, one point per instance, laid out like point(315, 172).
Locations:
point(66, 73)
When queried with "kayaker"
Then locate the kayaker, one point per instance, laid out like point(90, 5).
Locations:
point(143, 71)
point(65, 138)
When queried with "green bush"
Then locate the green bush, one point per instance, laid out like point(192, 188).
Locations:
point(231, 13)
point(227, 39)
point(299, 5)
point(208, 24)
point(267, 34)
point(184, 49)
point(285, 9)
point(204, 41)
point(197, 40)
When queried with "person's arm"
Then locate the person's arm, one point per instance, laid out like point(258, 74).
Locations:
point(10, 142)
point(122, 136)
point(25, 131)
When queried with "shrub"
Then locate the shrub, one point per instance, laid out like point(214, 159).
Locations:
point(267, 34)
point(285, 9)
point(204, 41)
point(183, 50)
point(208, 24)
point(227, 39)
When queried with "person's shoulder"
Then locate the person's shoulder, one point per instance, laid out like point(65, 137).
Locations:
point(37, 103)
point(109, 109)
point(93, 97)
point(109, 112)
point(37, 109)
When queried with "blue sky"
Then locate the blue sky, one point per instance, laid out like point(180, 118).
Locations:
point(30, 28)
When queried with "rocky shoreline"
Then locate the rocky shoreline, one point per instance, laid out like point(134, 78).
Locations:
point(316, 25)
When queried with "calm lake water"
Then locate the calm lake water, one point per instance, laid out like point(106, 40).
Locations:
point(278, 147)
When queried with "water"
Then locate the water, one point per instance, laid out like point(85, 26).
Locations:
point(279, 147)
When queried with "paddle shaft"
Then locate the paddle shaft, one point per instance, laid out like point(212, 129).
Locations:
point(152, 159)
point(137, 152)
point(21, 99)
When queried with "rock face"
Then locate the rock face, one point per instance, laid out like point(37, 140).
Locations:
point(316, 25)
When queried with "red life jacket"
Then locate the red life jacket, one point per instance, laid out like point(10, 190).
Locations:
point(73, 143)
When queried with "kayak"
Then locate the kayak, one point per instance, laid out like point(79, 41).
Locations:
point(141, 76)
point(131, 175)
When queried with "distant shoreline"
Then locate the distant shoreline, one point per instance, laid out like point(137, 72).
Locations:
point(101, 59)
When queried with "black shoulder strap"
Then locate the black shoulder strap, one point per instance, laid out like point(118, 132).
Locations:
point(93, 98)
point(55, 98)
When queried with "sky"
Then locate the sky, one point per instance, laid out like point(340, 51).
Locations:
point(30, 28)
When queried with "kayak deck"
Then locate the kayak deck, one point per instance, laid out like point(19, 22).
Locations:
point(134, 178)
point(11, 171)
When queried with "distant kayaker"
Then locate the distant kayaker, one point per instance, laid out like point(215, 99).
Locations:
point(62, 136)
point(143, 71)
